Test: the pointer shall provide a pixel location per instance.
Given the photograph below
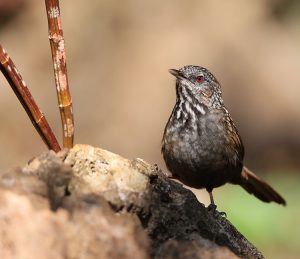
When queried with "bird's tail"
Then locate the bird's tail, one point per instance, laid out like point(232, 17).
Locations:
point(259, 188)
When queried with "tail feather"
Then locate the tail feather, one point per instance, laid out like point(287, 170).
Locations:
point(259, 188)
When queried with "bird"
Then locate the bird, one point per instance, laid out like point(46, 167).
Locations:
point(201, 145)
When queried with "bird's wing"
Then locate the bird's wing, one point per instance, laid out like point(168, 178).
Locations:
point(234, 136)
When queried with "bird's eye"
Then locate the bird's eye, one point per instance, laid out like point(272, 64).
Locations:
point(200, 79)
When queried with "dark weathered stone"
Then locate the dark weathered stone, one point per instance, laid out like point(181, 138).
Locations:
point(175, 213)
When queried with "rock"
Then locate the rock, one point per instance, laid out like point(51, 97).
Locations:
point(122, 182)
point(189, 249)
point(77, 226)
point(91, 203)
point(176, 214)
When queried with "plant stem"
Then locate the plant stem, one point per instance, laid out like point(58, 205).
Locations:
point(57, 44)
point(18, 85)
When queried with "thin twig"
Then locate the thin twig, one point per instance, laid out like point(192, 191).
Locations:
point(18, 85)
point(57, 44)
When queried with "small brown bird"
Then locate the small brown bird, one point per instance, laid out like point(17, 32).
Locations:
point(201, 145)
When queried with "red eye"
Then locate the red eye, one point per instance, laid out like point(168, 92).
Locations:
point(200, 79)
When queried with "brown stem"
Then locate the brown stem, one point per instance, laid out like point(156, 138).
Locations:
point(18, 85)
point(57, 44)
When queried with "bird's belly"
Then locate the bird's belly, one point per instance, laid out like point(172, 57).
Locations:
point(198, 160)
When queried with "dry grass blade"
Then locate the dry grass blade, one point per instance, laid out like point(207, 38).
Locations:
point(60, 71)
point(18, 85)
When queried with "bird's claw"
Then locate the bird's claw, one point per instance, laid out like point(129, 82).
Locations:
point(213, 209)
point(222, 214)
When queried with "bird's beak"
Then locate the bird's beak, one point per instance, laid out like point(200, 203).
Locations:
point(176, 73)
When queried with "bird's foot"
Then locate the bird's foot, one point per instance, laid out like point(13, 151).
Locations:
point(213, 209)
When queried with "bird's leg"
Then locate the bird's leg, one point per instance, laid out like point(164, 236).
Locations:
point(212, 206)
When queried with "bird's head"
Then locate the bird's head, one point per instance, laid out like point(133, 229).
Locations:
point(195, 83)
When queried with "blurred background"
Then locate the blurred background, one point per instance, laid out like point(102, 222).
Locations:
point(118, 56)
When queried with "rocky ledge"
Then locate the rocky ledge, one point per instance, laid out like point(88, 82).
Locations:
point(90, 203)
